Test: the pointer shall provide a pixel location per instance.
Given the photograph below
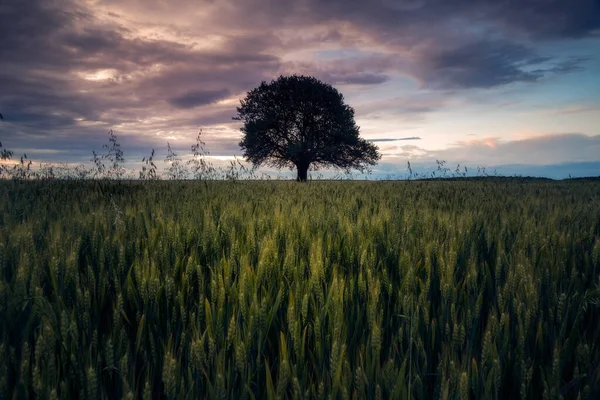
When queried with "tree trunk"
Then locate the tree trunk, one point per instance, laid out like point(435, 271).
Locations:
point(302, 172)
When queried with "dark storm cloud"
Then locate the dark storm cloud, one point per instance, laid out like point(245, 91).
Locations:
point(548, 18)
point(429, 27)
point(534, 18)
point(473, 43)
point(483, 64)
point(66, 72)
point(61, 35)
point(458, 43)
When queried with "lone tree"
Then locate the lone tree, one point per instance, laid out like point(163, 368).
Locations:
point(299, 121)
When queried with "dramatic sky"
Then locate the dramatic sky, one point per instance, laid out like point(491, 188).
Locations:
point(506, 84)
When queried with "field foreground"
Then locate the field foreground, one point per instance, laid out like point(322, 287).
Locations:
point(246, 290)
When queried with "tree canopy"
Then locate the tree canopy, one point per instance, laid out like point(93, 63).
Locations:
point(299, 121)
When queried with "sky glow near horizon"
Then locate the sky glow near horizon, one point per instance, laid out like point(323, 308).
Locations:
point(508, 84)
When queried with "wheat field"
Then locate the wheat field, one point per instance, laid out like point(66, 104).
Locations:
point(344, 290)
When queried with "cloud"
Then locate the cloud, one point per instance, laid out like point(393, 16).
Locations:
point(363, 78)
point(488, 63)
point(572, 64)
point(415, 106)
point(464, 44)
point(534, 18)
point(545, 19)
point(482, 64)
point(548, 19)
point(546, 149)
point(70, 70)
point(539, 150)
point(366, 69)
point(199, 98)
point(556, 156)
point(69, 73)
point(394, 139)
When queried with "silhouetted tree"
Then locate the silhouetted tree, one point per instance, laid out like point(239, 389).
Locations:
point(299, 121)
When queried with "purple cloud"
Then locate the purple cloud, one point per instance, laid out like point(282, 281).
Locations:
point(199, 98)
